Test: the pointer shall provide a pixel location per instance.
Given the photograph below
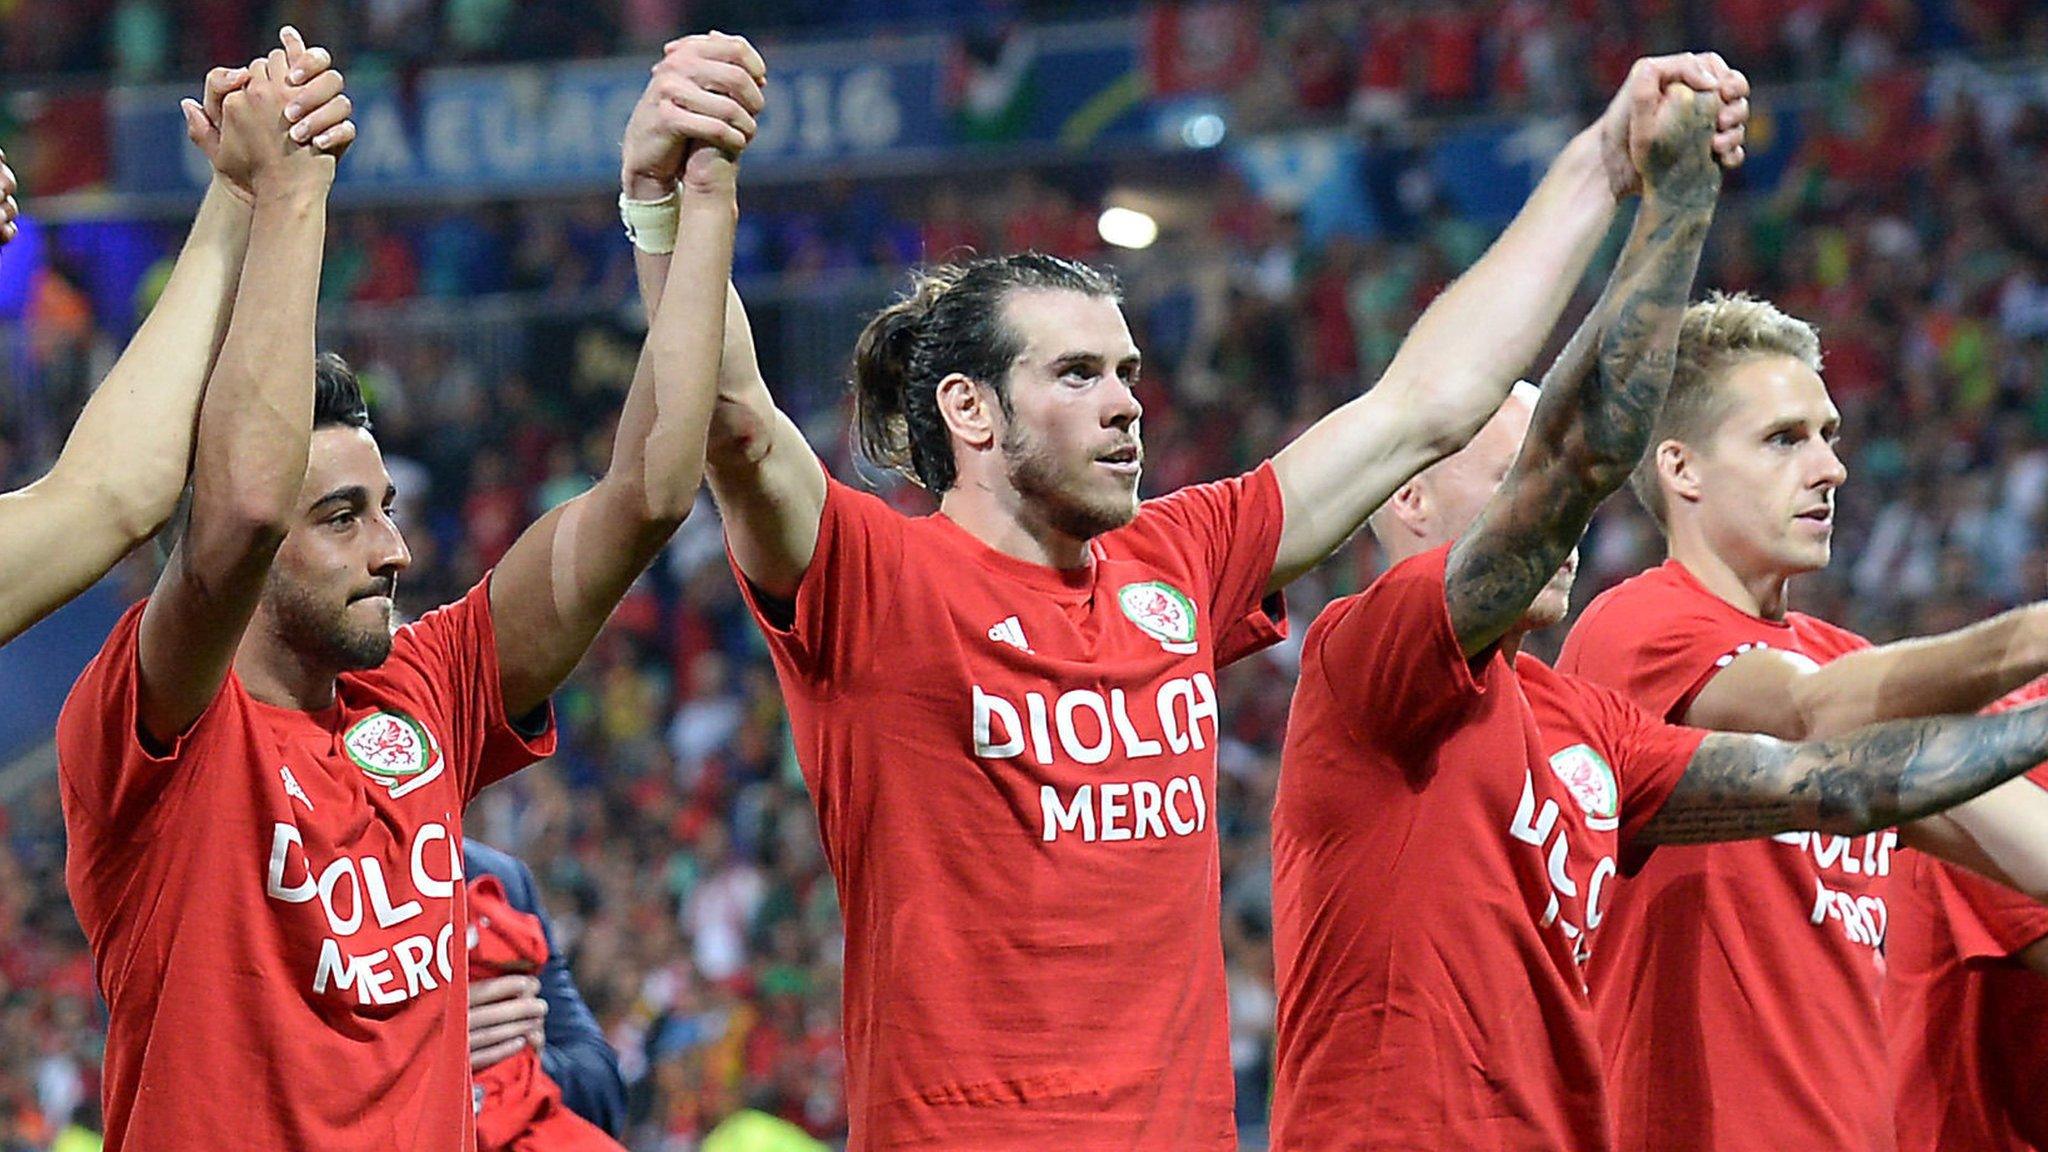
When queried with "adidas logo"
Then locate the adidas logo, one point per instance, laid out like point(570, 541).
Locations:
point(1010, 632)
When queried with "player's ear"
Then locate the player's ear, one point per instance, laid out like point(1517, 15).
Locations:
point(1410, 507)
point(968, 410)
point(1677, 471)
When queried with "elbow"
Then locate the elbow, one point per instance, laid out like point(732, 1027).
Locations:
point(741, 434)
point(136, 502)
point(656, 506)
point(1441, 430)
point(139, 511)
point(1594, 471)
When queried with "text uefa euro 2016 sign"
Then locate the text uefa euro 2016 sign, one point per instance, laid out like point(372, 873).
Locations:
point(522, 128)
point(833, 108)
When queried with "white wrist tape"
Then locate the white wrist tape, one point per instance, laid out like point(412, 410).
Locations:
point(650, 224)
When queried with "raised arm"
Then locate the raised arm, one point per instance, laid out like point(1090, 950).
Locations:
point(561, 580)
point(1599, 399)
point(1764, 690)
point(250, 455)
point(118, 477)
point(1743, 786)
point(2002, 834)
point(768, 483)
point(1456, 365)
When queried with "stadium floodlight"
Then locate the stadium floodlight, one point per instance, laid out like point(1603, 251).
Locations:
point(1202, 130)
point(1127, 228)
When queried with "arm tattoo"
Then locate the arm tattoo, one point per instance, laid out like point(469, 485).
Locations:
point(1599, 399)
point(1740, 786)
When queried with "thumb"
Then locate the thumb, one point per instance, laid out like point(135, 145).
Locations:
point(197, 128)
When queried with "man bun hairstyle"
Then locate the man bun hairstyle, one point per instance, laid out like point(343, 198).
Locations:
point(951, 321)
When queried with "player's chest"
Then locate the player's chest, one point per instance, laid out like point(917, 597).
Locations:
point(357, 847)
point(1553, 802)
point(1125, 673)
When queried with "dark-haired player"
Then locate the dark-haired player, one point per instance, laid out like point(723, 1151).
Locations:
point(1007, 712)
point(264, 780)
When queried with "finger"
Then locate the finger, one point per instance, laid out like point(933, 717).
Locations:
point(496, 988)
point(727, 79)
point(705, 129)
point(749, 58)
point(721, 48)
point(219, 83)
point(197, 126)
point(1733, 115)
point(8, 185)
point(498, 1033)
point(316, 61)
point(278, 66)
point(1726, 142)
point(315, 92)
point(336, 140)
point(1734, 85)
point(1734, 159)
point(480, 1058)
point(717, 107)
point(320, 120)
point(1687, 67)
point(294, 44)
point(517, 1013)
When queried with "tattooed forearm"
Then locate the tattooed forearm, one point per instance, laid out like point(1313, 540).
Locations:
point(1740, 786)
point(1600, 397)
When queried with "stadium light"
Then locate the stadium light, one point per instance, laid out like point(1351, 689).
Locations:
point(1127, 228)
point(1204, 130)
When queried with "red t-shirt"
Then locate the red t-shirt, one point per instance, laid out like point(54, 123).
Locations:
point(1014, 772)
point(275, 906)
point(1963, 1017)
point(518, 1106)
point(1737, 985)
point(1444, 840)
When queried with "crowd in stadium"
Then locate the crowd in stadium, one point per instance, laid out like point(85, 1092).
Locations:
point(677, 850)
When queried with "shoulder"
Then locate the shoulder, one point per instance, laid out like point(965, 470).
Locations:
point(480, 859)
point(1822, 638)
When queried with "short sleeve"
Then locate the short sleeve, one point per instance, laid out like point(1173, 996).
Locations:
point(1988, 921)
point(1649, 755)
point(454, 652)
point(1231, 530)
point(1391, 660)
point(831, 630)
point(109, 779)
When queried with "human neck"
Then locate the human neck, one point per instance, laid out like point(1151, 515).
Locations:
point(278, 676)
point(1000, 518)
point(1511, 645)
point(1763, 595)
